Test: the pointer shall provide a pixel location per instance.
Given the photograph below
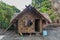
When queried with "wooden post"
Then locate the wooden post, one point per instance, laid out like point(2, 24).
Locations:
point(41, 26)
point(46, 24)
point(19, 28)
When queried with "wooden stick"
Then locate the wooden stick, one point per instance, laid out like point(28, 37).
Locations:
point(7, 29)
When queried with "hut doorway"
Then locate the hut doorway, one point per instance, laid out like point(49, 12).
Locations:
point(37, 25)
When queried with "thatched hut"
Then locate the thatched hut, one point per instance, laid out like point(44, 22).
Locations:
point(30, 20)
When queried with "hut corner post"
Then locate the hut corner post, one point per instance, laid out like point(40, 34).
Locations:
point(41, 27)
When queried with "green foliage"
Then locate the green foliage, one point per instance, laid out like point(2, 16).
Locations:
point(6, 13)
point(45, 7)
point(36, 3)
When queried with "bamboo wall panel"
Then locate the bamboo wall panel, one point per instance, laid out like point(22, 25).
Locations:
point(25, 29)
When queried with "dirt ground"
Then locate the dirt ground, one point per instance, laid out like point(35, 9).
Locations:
point(53, 34)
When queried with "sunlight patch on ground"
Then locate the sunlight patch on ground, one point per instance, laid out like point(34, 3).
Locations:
point(2, 36)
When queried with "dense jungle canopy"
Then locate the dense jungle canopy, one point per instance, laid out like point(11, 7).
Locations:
point(6, 12)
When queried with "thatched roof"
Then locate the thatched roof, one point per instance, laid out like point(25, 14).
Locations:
point(47, 17)
point(32, 9)
point(14, 16)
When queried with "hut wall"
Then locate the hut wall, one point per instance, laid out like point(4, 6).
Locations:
point(21, 23)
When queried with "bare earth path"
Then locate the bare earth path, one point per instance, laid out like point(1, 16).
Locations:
point(53, 34)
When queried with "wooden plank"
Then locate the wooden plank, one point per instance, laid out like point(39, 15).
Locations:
point(41, 26)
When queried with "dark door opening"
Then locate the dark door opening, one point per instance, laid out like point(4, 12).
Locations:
point(37, 25)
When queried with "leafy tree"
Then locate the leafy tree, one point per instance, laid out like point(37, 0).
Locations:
point(45, 7)
point(6, 13)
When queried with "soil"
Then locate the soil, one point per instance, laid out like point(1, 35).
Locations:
point(53, 34)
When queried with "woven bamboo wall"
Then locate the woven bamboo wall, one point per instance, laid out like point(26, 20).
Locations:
point(25, 29)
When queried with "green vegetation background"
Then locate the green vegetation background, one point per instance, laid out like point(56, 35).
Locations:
point(6, 13)
point(45, 6)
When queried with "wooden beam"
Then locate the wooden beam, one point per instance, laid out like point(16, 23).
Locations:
point(7, 28)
